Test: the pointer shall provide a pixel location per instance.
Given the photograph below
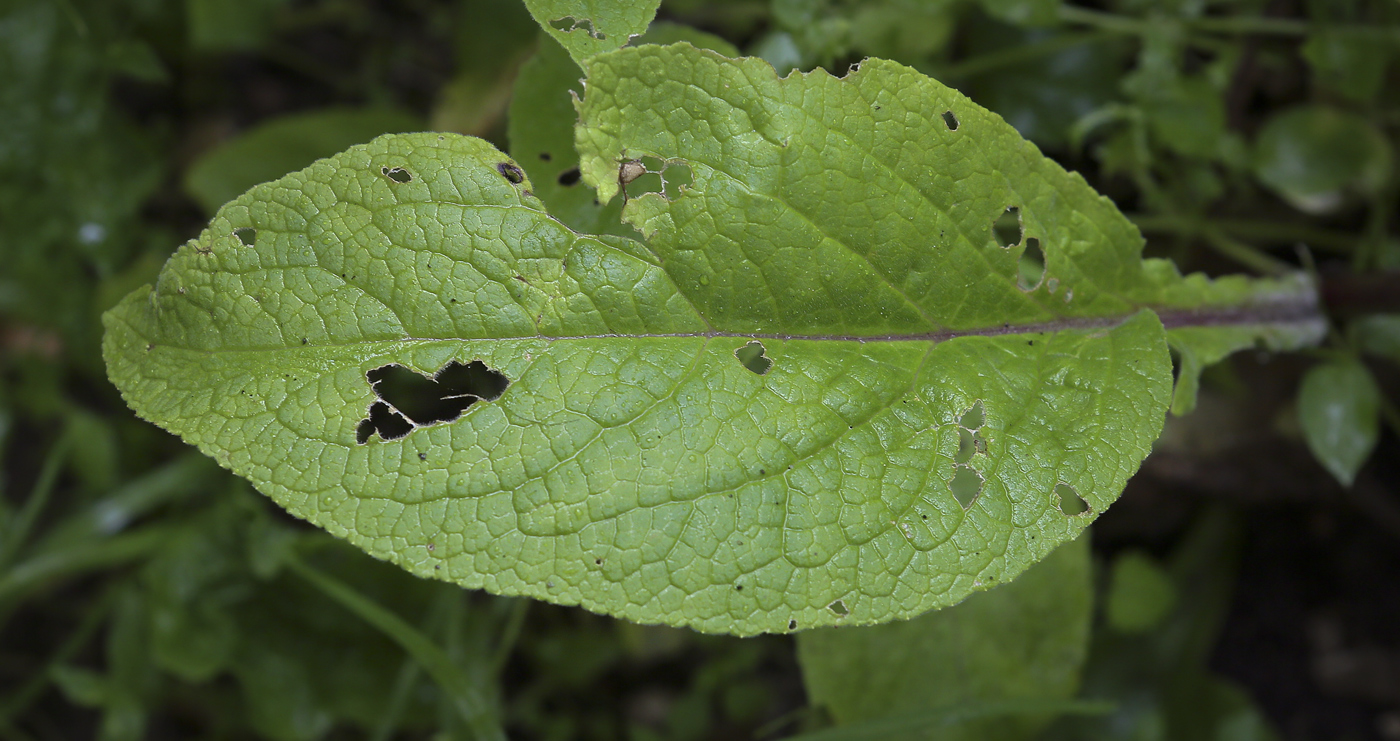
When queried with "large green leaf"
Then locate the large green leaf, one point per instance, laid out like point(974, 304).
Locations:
point(822, 380)
point(1024, 642)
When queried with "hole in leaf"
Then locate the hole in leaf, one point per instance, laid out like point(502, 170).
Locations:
point(675, 178)
point(950, 120)
point(792, 625)
point(838, 608)
point(974, 418)
point(396, 174)
point(967, 446)
point(1006, 230)
point(1031, 267)
point(511, 172)
point(568, 24)
point(753, 357)
point(382, 419)
point(569, 177)
point(417, 400)
point(1070, 502)
point(247, 235)
point(966, 486)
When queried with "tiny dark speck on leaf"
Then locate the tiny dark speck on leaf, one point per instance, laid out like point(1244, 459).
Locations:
point(422, 456)
point(738, 587)
point(511, 172)
point(303, 340)
point(545, 156)
point(570, 177)
point(762, 472)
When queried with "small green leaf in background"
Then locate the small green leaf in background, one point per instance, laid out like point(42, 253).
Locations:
point(541, 131)
point(230, 25)
point(1339, 407)
point(1140, 593)
point(1024, 641)
point(1045, 95)
point(475, 100)
point(1023, 12)
point(663, 33)
point(1378, 334)
point(589, 27)
point(1313, 156)
point(273, 148)
point(1350, 60)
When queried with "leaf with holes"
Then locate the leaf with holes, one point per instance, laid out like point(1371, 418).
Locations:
point(589, 27)
point(825, 376)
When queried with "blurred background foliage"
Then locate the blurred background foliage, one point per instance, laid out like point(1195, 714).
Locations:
point(1244, 587)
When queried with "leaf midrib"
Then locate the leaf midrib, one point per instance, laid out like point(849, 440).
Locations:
point(1297, 311)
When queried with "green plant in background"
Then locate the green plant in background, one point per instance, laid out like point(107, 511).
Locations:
point(846, 349)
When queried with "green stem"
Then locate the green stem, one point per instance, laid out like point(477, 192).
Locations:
point(1024, 53)
point(1244, 254)
point(509, 635)
point(1369, 254)
point(1101, 20)
point(468, 703)
point(80, 558)
point(398, 700)
point(1391, 415)
point(38, 498)
point(1249, 229)
point(21, 699)
point(1227, 25)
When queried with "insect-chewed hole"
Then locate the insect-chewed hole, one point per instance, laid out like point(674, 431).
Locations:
point(974, 417)
point(568, 24)
point(752, 356)
point(247, 235)
point(570, 177)
point(510, 172)
point(792, 625)
point(967, 446)
point(1069, 500)
point(1006, 230)
point(966, 486)
point(675, 178)
point(950, 120)
point(408, 399)
point(389, 424)
point(1030, 269)
point(838, 608)
point(396, 174)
